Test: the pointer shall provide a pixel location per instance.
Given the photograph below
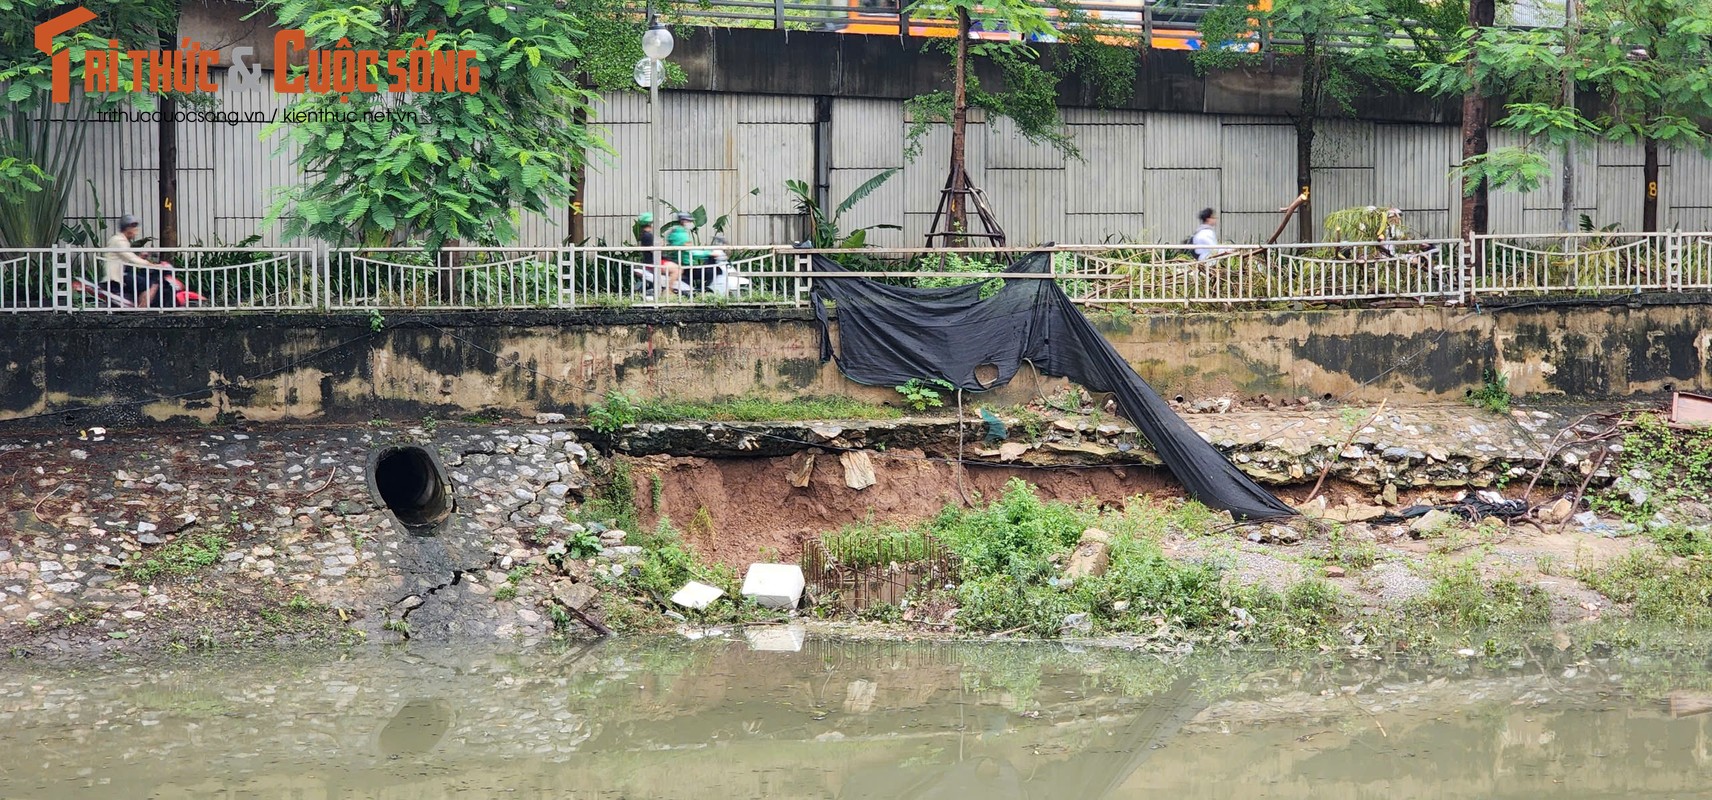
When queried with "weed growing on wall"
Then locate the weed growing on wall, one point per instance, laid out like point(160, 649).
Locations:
point(1660, 466)
point(1493, 394)
point(616, 410)
point(614, 497)
point(924, 393)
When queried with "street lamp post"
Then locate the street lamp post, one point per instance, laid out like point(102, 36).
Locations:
point(656, 46)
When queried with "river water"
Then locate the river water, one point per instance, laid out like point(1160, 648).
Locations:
point(730, 717)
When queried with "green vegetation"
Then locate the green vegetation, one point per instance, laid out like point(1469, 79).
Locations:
point(1493, 394)
point(1460, 599)
point(448, 165)
point(618, 409)
point(1677, 592)
point(182, 556)
point(39, 153)
point(1350, 553)
point(635, 599)
point(874, 544)
point(756, 409)
point(1031, 422)
point(1010, 555)
point(1658, 467)
point(615, 495)
point(1647, 62)
point(1344, 49)
point(923, 394)
point(826, 230)
point(583, 545)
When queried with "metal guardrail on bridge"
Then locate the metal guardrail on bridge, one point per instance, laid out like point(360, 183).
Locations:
point(70, 279)
point(1170, 25)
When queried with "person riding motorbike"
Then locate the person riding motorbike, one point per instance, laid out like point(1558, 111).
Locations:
point(673, 264)
point(128, 274)
point(643, 230)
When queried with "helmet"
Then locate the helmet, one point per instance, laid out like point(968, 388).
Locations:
point(127, 221)
point(685, 216)
point(645, 218)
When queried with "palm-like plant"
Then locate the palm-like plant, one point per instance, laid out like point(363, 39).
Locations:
point(825, 231)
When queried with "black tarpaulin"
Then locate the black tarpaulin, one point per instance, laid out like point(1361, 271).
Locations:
point(890, 334)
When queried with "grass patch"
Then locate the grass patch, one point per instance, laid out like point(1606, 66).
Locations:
point(1349, 552)
point(618, 409)
point(1010, 552)
point(1674, 591)
point(757, 409)
point(180, 557)
point(1461, 600)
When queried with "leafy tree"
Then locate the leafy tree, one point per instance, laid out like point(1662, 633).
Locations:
point(1459, 72)
point(441, 166)
point(1342, 48)
point(39, 156)
point(1028, 97)
point(1648, 62)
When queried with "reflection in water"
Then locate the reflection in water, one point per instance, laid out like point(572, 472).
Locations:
point(416, 728)
point(670, 719)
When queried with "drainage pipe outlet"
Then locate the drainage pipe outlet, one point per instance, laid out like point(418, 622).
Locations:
point(410, 482)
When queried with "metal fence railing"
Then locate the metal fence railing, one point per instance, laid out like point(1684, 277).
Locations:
point(454, 277)
point(1578, 262)
point(1307, 272)
point(73, 279)
point(27, 279)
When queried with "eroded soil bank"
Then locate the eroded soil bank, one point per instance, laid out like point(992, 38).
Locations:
point(183, 539)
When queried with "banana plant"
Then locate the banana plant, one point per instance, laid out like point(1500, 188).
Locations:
point(825, 230)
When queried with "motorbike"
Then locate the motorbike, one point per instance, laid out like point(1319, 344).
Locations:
point(704, 272)
point(173, 292)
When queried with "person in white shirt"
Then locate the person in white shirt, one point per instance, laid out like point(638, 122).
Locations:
point(126, 272)
point(1206, 238)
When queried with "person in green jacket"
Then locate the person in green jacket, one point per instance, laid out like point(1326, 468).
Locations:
point(679, 233)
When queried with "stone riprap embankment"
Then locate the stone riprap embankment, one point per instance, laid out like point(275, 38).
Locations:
point(149, 539)
point(161, 536)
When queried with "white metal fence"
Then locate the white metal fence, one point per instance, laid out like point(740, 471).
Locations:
point(69, 279)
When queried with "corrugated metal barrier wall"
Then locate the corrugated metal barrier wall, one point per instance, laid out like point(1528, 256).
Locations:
point(1143, 175)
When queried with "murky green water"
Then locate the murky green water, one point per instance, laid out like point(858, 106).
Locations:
point(720, 719)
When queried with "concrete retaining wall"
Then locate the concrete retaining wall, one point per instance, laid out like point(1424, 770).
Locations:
point(81, 370)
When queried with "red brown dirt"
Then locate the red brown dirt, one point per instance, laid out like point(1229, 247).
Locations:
point(753, 510)
point(752, 505)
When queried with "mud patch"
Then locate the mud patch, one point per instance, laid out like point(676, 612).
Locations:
point(732, 509)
